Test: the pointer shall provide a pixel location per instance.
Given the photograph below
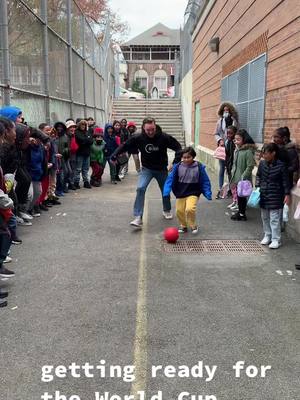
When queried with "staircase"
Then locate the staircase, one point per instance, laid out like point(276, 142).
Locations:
point(166, 112)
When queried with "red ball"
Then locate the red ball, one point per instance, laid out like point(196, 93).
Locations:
point(171, 234)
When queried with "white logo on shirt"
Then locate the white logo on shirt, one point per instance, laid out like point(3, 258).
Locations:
point(150, 148)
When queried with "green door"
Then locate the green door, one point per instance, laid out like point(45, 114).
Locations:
point(197, 123)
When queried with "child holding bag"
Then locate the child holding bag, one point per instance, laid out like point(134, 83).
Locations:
point(220, 155)
point(273, 180)
point(243, 164)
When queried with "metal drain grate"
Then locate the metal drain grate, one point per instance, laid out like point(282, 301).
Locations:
point(215, 246)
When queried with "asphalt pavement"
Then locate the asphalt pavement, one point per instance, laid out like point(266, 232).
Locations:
point(90, 289)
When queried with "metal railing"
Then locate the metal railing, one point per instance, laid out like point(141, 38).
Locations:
point(52, 65)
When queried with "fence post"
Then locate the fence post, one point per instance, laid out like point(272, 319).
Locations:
point(4, 43)
point(44, 16)
point(69, 40)
point(84, 65)
point(94, 77)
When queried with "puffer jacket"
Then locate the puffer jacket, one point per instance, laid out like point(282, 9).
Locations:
point(272, 179)
point(243, 163)
point(293, 162)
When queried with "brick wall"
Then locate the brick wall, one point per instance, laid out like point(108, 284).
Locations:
point(247, 28)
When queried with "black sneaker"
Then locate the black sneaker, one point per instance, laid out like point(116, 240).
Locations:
point(3, 304)
point(16, 240)
point(118, 179)
point(87, 185)
point(182, 229)
point(55, 202)
point(3, 295)
point(6, 273)
point(43, 207)
point(71, 186)
point(76, 186)
point(218, 195)
point(239, 217)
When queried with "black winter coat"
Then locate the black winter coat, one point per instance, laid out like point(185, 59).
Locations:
point(9, 158)
point(84, 141)
point(229, 150)
point(154, 151)
point(272, 179)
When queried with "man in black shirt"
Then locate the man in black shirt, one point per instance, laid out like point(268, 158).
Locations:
point(153, 145)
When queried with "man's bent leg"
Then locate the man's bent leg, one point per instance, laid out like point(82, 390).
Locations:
point(144, 179)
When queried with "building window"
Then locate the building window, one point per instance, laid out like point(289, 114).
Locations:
point(142, 77)
point(161, 80)
point(246, 88)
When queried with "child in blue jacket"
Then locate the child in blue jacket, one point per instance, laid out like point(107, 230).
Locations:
point(188, 180)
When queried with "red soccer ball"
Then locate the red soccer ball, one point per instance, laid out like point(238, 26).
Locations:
point(171, 235)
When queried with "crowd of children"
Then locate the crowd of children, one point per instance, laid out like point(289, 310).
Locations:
point(39, 166)
point(278, 170)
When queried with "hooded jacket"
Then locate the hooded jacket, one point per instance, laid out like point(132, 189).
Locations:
point(110, 140)
point(84, 139)
point(243, 163)
point(36, 159)
point(97, 152)
point(63, 141)
point(9, 158)
point(272, 179)
point(10, 112)
point(154, 153)
point(293, 162)
point(22, 143)
point(181, 189)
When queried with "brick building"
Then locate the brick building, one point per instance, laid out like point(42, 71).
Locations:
point(256, 66)
point(247, 52)
point(151, 58)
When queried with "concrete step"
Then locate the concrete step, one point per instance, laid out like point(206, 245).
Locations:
point(167, 114)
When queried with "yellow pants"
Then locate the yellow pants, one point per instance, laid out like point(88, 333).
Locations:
point(186, 211)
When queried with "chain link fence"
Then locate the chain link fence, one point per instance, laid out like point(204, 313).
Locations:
point(51, 63)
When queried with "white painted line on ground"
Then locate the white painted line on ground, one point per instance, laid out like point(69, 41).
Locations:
point(140, 340)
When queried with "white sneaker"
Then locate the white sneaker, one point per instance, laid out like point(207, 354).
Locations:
point(234, 208)
point(266, 240)
point(137, 222)
point(7, 260)
point(19, 220)
point(167, 215)
point(23, 222)
point(122, 176)
point(195, 230)
point(25, 216)
point(275, 244)
point(232, 204)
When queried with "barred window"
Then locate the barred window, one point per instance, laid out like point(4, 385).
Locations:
point(246, 89)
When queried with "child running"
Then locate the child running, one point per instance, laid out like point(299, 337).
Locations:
point(188, 180)
point(273, 180)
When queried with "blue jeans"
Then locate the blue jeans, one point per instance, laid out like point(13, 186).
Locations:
point(82, 166)
point(12, 227)
point(221, 173)
point(271, 220)
point(145, 177)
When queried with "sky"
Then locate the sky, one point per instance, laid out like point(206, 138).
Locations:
point(143, 14)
